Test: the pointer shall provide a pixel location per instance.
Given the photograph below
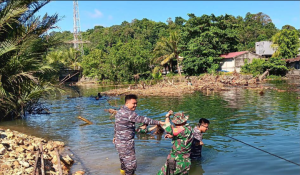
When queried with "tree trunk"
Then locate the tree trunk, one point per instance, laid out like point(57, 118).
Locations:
point(178, 67)
point(171, 66)
point(264, 75)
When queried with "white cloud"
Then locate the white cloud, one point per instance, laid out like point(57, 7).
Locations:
point(96, 14)
point(110, 17)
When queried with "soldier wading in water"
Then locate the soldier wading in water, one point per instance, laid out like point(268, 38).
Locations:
point(125, 120)
point(178, 161)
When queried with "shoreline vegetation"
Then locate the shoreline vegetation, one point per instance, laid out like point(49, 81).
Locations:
point(22, 154)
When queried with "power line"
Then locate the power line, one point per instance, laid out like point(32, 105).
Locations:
point(263, 150)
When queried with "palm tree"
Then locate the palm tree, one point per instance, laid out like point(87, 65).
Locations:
point(71, 58)
point(22, 48)
point(167, 50)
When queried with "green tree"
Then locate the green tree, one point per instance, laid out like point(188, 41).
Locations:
point(276, 66)
point(253, 28)
point(72, 58)
point(204, 39)
point(22, 48)
point(287, 43)
point(289, 27)
point(94, 64)
point(167, 49)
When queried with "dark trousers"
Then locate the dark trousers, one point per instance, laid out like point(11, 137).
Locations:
point(127, 156)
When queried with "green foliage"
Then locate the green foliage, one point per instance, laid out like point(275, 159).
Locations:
point(22, 48)
point(170, 74)
point(276, 66)
point(156, 76)
point(204, 39)
point(93, 64)
point(136, 47)
point(255, 68)
point(253, 28)
point(166, 50)
point(274, 77)
point(287, 43)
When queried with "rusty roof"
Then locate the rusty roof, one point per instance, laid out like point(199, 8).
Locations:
point(233, 54)
point(290, 60)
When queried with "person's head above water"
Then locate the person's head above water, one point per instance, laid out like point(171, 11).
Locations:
point(203, 125)
point(131, 101)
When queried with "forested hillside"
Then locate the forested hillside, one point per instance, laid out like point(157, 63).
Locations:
point(144, 47)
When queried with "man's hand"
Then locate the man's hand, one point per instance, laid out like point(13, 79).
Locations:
point(114, 140)
point(169, 113)
point(168, 136)
point(201, 143)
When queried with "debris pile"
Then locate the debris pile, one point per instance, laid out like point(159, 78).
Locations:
point(179, 86)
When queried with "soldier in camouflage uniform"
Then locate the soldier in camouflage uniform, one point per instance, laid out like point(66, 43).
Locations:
point(125, 120)
point(198, 131)
point(182, 138)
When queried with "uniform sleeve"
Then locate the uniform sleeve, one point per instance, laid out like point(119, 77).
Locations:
point(197, 135)
point(114, 130)
point(141, 119)
point(168, 128)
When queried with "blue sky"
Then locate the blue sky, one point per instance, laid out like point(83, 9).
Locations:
point(108, 13)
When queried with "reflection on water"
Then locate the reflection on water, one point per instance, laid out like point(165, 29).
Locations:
point(269, 121)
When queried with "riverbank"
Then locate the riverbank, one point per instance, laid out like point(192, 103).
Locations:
point(21, 154)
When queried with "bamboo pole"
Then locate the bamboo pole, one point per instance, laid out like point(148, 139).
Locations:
point(58, 162)
point(36, 161)
point(42, 160)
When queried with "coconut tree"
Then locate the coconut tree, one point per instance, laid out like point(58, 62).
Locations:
point(167, 49)
point(71, 58)
point(22, 48)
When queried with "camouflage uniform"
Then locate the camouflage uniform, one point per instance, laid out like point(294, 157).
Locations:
point(196, 147)
point(180, 150)
point(125, 120)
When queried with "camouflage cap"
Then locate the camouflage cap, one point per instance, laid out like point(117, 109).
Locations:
point(180, 118)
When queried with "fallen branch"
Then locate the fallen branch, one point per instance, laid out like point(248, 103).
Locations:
point(84, 119)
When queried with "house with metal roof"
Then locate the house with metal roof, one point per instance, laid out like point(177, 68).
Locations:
point(235, 60)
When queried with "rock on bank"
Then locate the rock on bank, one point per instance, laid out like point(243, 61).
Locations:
point(24, 154)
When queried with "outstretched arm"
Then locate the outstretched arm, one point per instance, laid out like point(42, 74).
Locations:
point(167, 127)
point(152, 128)
point(141, 119)
point(168, 117)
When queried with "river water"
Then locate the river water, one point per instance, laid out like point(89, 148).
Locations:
point(270, 121)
